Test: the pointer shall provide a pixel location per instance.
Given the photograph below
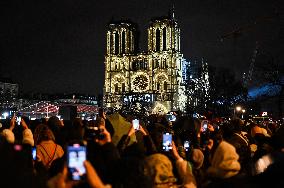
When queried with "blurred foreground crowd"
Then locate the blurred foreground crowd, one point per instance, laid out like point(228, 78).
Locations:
point(199, 153)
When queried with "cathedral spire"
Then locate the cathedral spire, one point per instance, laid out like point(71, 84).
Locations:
point(172, 11)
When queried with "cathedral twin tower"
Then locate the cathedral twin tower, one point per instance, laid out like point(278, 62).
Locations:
point(153, 77)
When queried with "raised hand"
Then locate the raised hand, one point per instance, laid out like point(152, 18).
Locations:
point(13, 122)
point(144, 132)
point(131, 131)
point(106, 136)
point(175, 151)
point(92, 176)
point(23, 123)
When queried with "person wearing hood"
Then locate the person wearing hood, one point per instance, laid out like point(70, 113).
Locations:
point(225, 166)
point(239, 140)
point(159, 169)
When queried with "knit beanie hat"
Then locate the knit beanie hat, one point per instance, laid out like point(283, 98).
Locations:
point(8, 135)
point(197, 158)
point(159, 168)
point(225, 162)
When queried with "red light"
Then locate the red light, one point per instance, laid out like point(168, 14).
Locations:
point(18, 147)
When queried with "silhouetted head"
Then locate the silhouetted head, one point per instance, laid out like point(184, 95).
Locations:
point(43, 133)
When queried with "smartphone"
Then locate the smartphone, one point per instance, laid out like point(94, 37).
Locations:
point(18, 119)
point(186, 145)
point(205, 125)
point(34, 153)
point(135, 124)
point(167, 141)
point(76, 155)
point(171, 117)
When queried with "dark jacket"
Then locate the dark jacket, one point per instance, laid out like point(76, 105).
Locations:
point(104, 159)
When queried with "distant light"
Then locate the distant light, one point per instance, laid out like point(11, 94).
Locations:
point(238, 108)
point(5, 114)
point(264, 114)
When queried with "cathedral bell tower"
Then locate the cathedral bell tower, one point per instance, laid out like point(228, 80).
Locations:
point(120, 39)
point(164, 35)
point(121, 46)
point(164, 52)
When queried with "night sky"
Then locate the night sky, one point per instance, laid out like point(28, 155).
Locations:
point(57, 46)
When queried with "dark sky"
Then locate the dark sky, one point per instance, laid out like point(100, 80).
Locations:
point(59, 45)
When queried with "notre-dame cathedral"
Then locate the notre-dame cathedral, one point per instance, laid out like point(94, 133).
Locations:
point(154, 76)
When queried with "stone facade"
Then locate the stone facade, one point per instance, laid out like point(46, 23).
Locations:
point(154, 76)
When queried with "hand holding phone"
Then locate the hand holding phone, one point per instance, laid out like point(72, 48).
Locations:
point(174, 151)
point(92, 176)
point(76, 155)
point(103, 136)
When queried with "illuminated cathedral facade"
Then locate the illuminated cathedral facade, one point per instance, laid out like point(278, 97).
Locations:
point(153, 77)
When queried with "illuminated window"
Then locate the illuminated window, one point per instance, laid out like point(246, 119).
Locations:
point(123, 42)
point(158, 86)
point(111, 43)
point(116, 41)
point(165, 39)
point(116, 87)
point(134, 65)
point(129, 41)
point(146, 65)
point(156, 63)
point(158, 40)
point(164, 63)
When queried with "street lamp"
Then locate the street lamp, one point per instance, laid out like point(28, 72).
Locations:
point(237, 108)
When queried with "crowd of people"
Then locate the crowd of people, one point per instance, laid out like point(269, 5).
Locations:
point(201, 153)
